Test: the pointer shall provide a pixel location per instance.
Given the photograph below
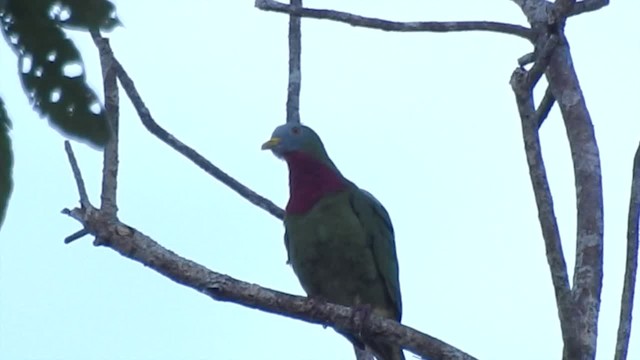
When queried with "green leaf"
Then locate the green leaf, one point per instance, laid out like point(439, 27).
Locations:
point(86, 14)
point(6, 162)
point(50, 66)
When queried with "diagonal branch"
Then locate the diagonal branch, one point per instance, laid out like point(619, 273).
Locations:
point(386, 25)
point(546, 104)
point(631, 267)
point(581, 7)
point(137, 246)
point(182, 148)
point(295, 74)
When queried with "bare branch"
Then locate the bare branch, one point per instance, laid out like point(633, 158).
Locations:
point(386, 25)
point(112, 108)
point(295, 74)
point(546, 104)
point(82, 190)
point(188, 152)
point(136, 246)
point(587, 278)
point(544, 200)
point(631, 266)
point(584, 6)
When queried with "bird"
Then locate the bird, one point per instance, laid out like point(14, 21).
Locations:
point(339, 238)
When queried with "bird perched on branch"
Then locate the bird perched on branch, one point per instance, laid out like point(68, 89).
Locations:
point(339, 238)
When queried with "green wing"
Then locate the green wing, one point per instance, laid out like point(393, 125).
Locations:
point(377, 224)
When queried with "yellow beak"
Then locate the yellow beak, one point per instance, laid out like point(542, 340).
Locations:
point(273, 142)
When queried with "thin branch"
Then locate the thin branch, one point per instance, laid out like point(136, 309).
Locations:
point(82, 190)
point(112, 109)
point(188, 152)
point(584, 6)
point(546, 104)
point(386, 25)
point(295, 74)
point(137, 246)
point(543, 56)
point(631, 266)
point(544, 200)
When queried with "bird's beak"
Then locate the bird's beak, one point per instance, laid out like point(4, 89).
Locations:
point(273, 142)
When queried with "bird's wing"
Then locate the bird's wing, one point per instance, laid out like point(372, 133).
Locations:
point(377, 224)
point(286, 245)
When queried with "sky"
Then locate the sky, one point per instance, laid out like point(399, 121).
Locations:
point(426, 122)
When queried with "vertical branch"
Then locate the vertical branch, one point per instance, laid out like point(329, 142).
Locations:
point(628, 289)
point(110, 86)
point(295, 50)
point(520, 82)
point(587, 277)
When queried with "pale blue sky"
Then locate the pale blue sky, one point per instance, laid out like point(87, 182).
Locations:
point(426, 122)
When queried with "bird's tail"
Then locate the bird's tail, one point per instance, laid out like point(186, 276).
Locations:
point(384, 351)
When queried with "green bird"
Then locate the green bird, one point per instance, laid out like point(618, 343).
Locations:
point(339, 238)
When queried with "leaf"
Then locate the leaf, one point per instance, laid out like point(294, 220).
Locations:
point(50, 66)
point(87, 14)
point(6, 162)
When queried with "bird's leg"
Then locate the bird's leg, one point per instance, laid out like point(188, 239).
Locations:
point(314, 302)
point(360, 316)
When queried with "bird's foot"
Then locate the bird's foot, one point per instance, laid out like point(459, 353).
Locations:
point(315, 301)
point(360, 316)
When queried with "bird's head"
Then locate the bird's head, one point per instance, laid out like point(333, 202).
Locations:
point(294, 138)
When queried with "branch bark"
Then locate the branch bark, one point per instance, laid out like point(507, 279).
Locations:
point(295, 74)
point(520, 82)
point(580, 334)
point(631, 266)
point(386, 25)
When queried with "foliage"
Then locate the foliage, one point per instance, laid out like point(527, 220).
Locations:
point(52, 71)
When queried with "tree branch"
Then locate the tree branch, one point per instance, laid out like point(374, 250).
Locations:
point(137, 246)
point(544, 200)
point(584, 6)
point(564, 86)
point(631, 267)
point(546, 104)
point(188, 152)
point(295, 74)
point(386, 25)
point(112, 108)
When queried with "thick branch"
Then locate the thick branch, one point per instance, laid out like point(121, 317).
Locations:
point(137, 246)
point(386, 25)
point(544, 200)
point(112, 108)
point(587, 278)
point(631, 266)
point(295, 74)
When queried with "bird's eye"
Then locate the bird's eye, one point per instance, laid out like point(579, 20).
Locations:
point(295, 130)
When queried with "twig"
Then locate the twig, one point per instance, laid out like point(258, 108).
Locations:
point(77, 175)
point(544, 200)
point(137, 246)
point(76, 235)
point(543, 110)
point(191, 154)
point(295, 74)
point(112, 109)
point(386, 25)
point(631, 266)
